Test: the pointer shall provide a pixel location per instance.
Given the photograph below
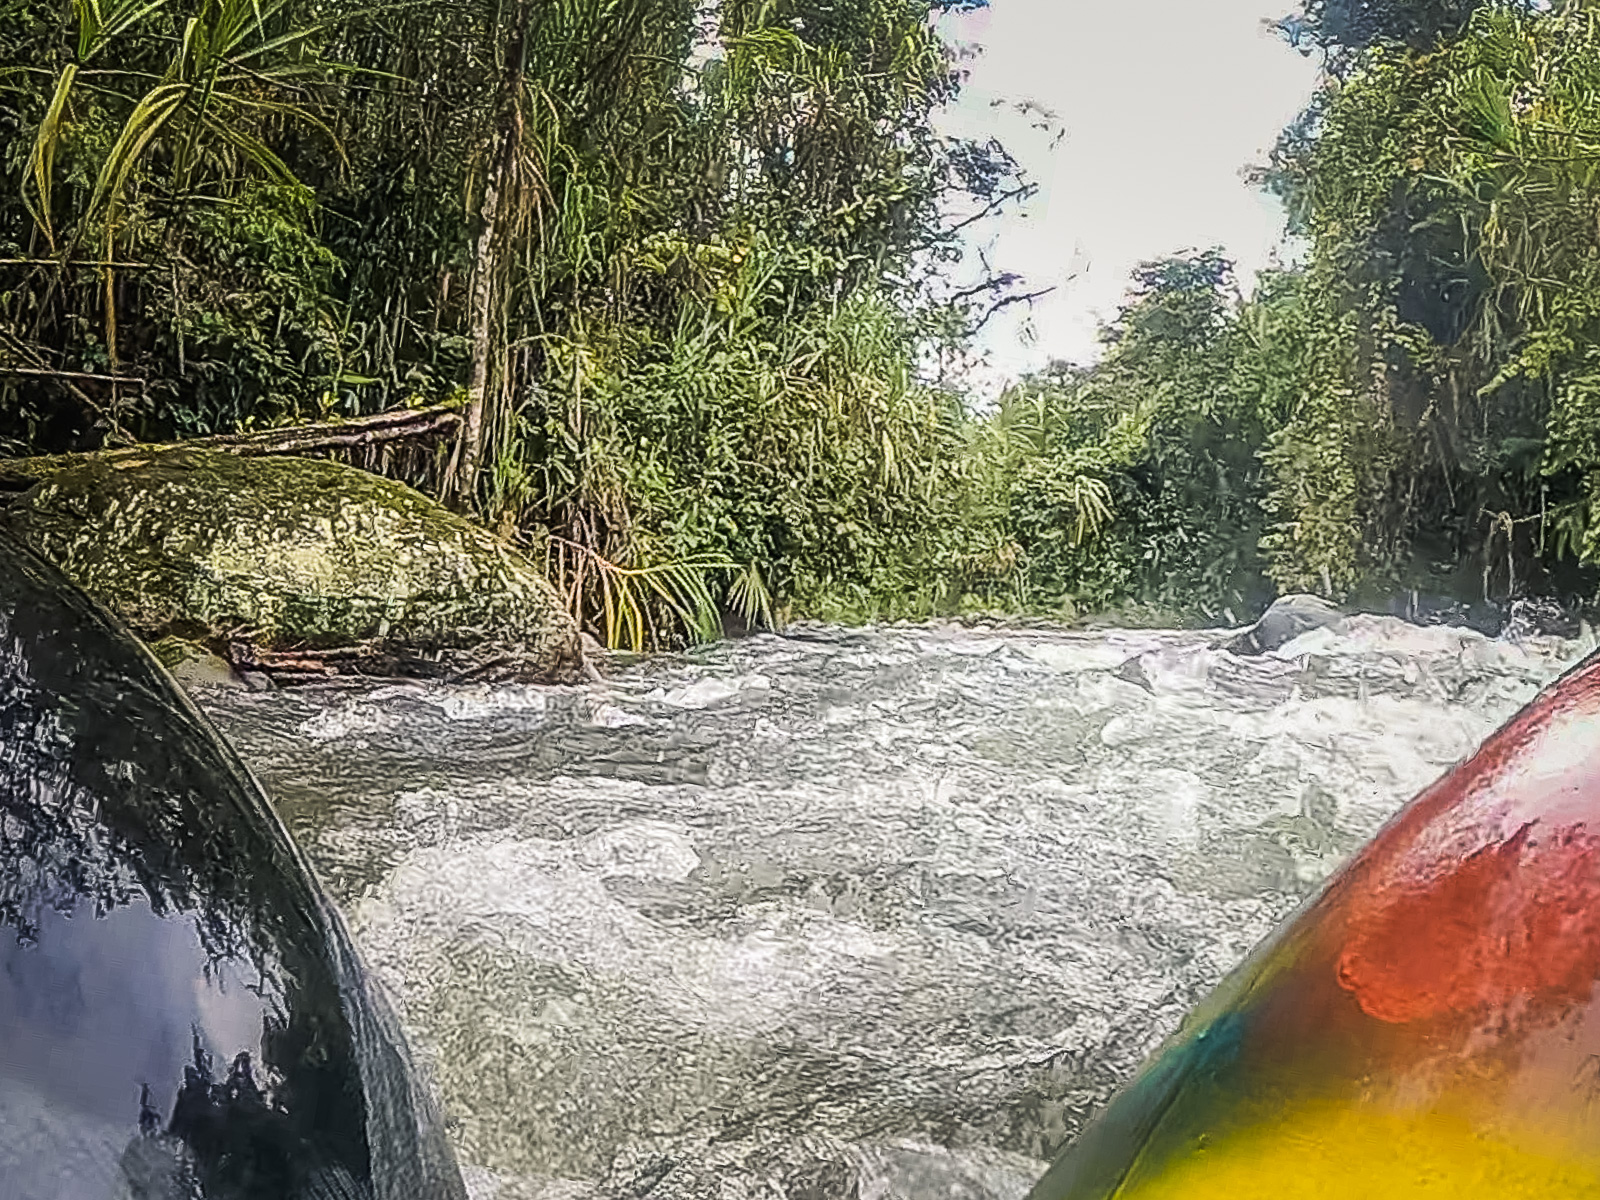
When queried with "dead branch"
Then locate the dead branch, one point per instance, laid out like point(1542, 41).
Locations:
point(77, 262)
point(47, 373)
point(1006, 302)
point(66, 378)
point(394, 425)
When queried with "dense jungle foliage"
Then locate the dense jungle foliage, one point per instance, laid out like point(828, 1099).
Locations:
point(677, 263)
point(1415, 411)
point(681, 265)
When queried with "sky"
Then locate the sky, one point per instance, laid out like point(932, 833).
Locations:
point(1164, 104)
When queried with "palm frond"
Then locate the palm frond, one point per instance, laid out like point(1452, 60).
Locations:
point(146, 120)
point(681, 587)
point(42, 158)
point(751, 598)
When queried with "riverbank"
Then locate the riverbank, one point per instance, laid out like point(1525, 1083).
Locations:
point(293, 567)
point(231, 555)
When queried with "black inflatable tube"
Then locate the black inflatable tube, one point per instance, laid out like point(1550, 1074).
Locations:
point(182, 1013)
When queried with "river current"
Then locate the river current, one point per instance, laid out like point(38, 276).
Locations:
point(845, 914)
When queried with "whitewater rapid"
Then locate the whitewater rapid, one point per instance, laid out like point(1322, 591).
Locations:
point(845, 914)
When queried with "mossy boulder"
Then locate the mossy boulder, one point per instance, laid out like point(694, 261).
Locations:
point(194, 666)
point(274, 555)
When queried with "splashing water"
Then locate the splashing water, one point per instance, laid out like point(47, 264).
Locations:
point(845, 915)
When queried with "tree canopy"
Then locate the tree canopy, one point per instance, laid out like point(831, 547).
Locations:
point(681, 267)
point(1413, 410)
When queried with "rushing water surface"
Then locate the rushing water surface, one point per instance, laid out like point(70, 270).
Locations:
point(845, 915)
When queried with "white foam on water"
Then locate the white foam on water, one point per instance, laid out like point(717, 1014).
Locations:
point(471, 702)
point(346, 718)
point(710, 691)
point(964, 648)
point(919, 1171)
point(611, 716)
point(879, 912)
point(1101, 652)
point(484, 1184)
point(643, 850)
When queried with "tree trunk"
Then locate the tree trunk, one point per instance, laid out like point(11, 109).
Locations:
point(499, 181)
point(462, 485)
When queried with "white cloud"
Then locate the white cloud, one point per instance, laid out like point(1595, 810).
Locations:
point(1164, 104)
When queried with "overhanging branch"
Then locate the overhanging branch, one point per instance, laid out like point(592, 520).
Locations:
point(1007, 302)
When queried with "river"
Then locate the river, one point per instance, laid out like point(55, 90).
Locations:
point(844, 914)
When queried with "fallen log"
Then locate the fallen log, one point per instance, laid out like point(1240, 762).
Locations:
point(490, 662)
point(394, 425)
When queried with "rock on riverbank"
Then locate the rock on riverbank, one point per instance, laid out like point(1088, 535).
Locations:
point(297, 564)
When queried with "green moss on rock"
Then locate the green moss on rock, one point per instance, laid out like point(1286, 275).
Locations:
point(291, 553)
